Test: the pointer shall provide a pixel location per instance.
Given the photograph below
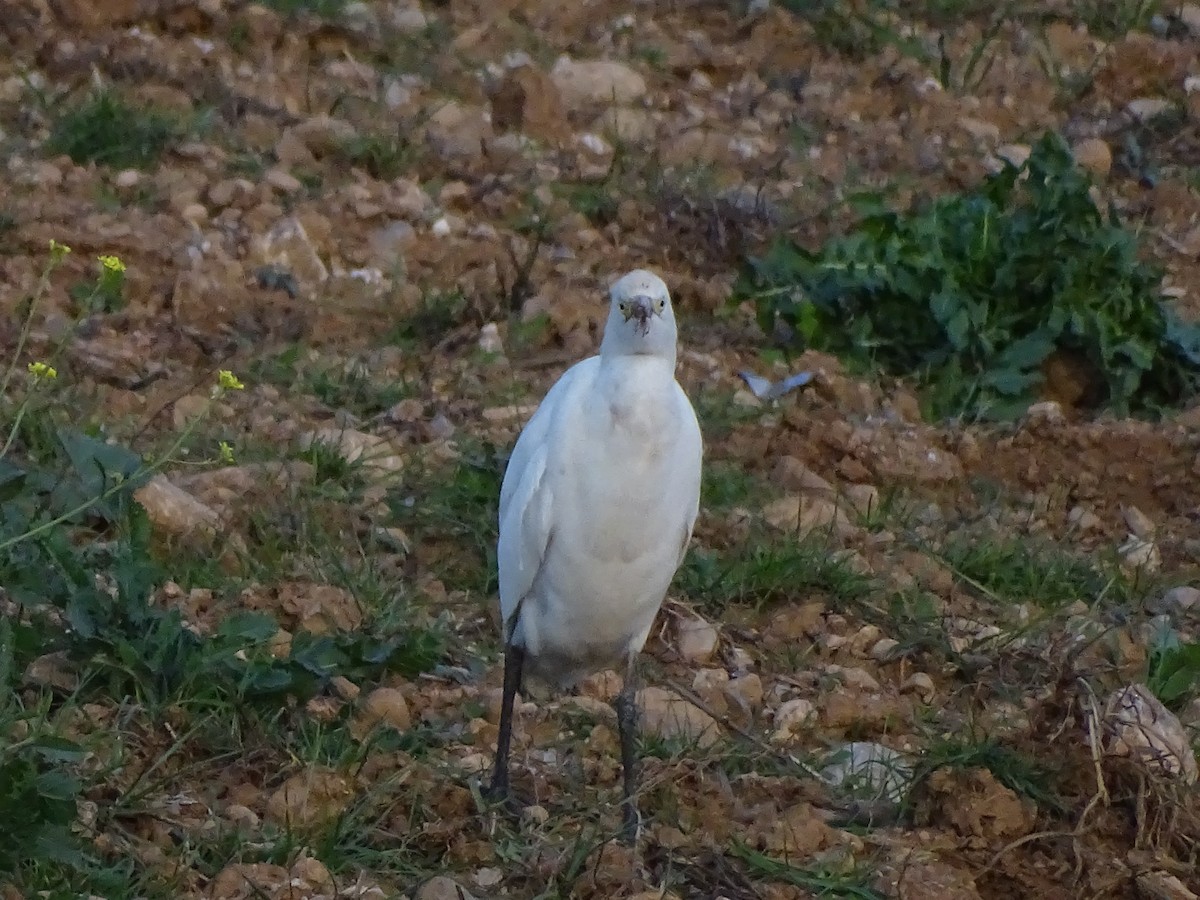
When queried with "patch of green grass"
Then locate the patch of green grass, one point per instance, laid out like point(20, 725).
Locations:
point(654, 57)
point(238, 36)
point(913, 617)
point(1173, 669)
point(725, 485)
point(341, 385)
point(382, 156)
point(853, 884)
point(965, 75)
point(1019, 570)
point(247, 165)
point(356, 390)
point(38, 787)
point(143, 196)
point(675, 747)
point(331, 468)
point(440, 311)
point(324, 9)
point(103, 128)
point(454, 507)
point(574, 850)
point(629, 174)
point(311, 181)
point(597, 202)
point(421, 52)
point(1111, 20)
point(527, 335)
point(767, 569)
point(972, 294)
point(720, 412)
point(954, 12)
point(856, 31)
point(743, 758)
point(82, 565)
point(1019, 772)
point(364, 839)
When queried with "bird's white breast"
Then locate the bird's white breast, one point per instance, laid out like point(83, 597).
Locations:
point(624, 478)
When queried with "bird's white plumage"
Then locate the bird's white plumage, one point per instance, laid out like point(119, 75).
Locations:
point(600, 496)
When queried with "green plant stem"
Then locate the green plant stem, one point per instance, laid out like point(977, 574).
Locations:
point(111, 491)
point(27, 326)
point(12, 433)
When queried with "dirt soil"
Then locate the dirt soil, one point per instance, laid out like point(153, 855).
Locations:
point(460, 173)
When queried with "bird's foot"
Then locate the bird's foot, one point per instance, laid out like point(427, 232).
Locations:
point(498, 791)
point(631, 826)
point(501, 796)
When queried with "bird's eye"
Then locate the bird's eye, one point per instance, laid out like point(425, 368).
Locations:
point(623, 306)
point(660, 304)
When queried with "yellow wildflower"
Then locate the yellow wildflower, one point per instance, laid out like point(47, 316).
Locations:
point(39, 371)
point(226, 453)
point(57, 250)
point(226, 380)
point(112, 264)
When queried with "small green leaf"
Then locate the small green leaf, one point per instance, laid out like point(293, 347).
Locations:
point(957, 327)
point(1010, 382)
point(96, 461)
point(253, 627)
point(56, 749)
point(80, 616)
point(320, 655)
point(12, 481)
point(1177, 685)
point(56, 843)
point(1027, 352)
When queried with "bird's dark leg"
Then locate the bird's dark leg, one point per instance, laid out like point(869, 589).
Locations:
point(626, 706)
point(514, 659)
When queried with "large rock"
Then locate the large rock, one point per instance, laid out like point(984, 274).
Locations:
point(383, 706)
point(456, 131)
point(173, 510)
point(287, 247)
point(696, 639)
point(310, 798)
point(374, 453)
point(867, 770)
point(583, 83)
point(667, 715)
point(1136, 724)
point(528, 100)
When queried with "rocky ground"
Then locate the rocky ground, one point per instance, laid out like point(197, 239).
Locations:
point(903, 660)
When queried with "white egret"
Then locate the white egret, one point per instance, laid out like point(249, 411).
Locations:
point(596, 512)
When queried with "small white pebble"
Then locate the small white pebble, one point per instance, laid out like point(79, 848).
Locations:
point(594, 143)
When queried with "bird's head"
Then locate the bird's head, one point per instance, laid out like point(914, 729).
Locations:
point(640, 318)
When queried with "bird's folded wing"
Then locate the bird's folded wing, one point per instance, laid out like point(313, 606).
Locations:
point(692, 448)
point(526, 499)
point(525, 529)
point(537, 432)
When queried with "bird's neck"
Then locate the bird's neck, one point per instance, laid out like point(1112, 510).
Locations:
point(619, 343)
point(649, 366)
point(636, 393)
